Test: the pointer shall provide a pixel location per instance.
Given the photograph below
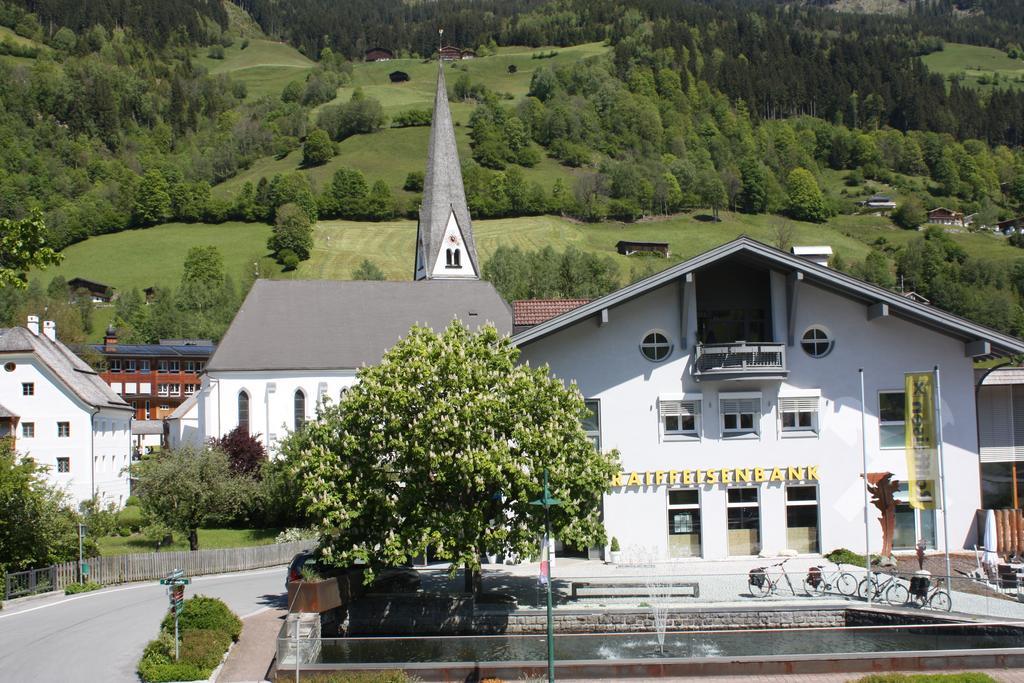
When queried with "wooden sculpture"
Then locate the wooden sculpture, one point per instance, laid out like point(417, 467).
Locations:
point(882, 488)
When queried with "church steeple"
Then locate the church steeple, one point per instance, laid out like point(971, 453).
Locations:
point(445, 248)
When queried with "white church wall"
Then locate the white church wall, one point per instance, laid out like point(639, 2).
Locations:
point(453, 247)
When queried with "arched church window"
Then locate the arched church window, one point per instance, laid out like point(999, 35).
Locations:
point(300, 409)
point(243, 410)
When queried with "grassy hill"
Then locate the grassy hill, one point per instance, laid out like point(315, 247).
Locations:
point(265, 66)
point(979, 66)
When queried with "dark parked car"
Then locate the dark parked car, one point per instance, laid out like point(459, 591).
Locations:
point(391, 580)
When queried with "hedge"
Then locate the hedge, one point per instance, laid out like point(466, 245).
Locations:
point(202, 612)
point(207, 628)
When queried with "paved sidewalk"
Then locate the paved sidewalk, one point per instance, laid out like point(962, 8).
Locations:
point(251, 656)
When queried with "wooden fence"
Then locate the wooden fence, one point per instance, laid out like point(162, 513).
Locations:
point(148, 566)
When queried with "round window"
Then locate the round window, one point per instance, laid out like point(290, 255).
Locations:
point(816, 342)
point(9, 367)
point(656, 346)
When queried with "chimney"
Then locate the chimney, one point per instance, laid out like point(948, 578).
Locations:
point(110, 339)
point(50, 329)
point(33, 324)
point(819, 255)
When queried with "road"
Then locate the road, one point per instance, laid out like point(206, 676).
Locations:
point(99, 636)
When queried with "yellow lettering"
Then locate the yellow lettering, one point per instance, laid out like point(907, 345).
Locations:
point(634, 479)
point(711, 476)
point(776, 475)
point(617, 479)
point(727, 476)
point(700, 477)
point(687, 476)
point(759, 474)
point(812, 473)
point(743, 475)
point(648, 478)
point(795, 473)
point(673, 476)
point(660, 477)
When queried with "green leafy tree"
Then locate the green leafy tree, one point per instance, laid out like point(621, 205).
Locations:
point(317, 149)
point(368, 270)
point(152, 199)
point(292, 231)
point(910, 214)
point(804, 199)
point(202, 280)
point(37, 525)
point(444, 444)
point(188, 488)
point(414, 182)
point(378, 202)
point(23, 245)
point(347, 195)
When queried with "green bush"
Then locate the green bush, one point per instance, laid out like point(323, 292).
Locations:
point(844, 556)
point(356, 677)
point(130, 518)
point(967, 677)
point(202, 612)
point(132, 501)
point(166, 672)
point(73, 588)
point(204, 647)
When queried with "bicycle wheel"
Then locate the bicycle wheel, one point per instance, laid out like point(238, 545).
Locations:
point(846, 584)
point(762, 590)
point(814, 590)
point(940, 600)
point(896, 593)
point(862, 587)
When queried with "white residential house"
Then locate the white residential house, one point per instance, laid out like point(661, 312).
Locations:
point(63, 415)
point(183, 424)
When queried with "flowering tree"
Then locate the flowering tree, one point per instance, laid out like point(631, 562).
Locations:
point(444, 443)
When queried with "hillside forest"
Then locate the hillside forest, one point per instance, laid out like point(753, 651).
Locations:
point(109, 121)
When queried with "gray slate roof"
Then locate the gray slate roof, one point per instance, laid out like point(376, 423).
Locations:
point(81, 379)
point(5, 412)
point(147, 427)
point(330, 324)
point(443, 192)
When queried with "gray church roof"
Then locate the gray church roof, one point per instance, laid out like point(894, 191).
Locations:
point(81, 379)
point(331, 324)
point(443, 192)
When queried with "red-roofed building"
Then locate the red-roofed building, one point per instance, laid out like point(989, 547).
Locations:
point(529, 312)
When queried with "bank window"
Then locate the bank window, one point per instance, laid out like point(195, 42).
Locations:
point(744, 512)
point(802, 518)
point(891, 419)
point(63, 429)
point(679, 417)
point(63, 465)
point(684, 523)
point(911, 524)
point(592, 422)
point(740, 416)
point(798, 414)
point(28, 430)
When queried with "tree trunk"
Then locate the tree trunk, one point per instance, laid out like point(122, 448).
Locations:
point(473, 581)
point(193, 539)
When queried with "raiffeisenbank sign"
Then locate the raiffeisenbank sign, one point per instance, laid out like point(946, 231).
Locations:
point(723, 475)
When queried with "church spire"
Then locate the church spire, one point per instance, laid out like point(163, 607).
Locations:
point(445, 248)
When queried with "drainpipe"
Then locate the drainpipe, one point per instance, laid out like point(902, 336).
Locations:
point(92, 451)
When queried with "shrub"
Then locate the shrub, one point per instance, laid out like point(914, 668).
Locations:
point(966, 677)
point(845, 556)
point(166, 672)
point(615, 545)
point(132, 501)
point(216, 52)
point(131, 518)
point(293, 534)
point(202, 612)
point(204, 647)
point(73, 588)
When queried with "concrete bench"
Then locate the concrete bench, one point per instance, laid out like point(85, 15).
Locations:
point(617, 589)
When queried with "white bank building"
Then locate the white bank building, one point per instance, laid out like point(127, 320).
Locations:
point(730, 386)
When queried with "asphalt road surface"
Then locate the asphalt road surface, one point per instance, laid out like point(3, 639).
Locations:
point(99, 636)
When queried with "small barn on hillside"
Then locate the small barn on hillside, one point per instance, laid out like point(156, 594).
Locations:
point(398, 76)
point(450, 53)
point(627, 248)
point(99, 293)
point(378, 54)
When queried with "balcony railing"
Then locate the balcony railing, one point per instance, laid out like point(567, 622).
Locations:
point(740, 360)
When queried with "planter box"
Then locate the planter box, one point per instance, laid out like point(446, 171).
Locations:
point(314, 596)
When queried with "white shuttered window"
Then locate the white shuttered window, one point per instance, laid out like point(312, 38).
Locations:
point(679, 416)
point(799, 413)
point(741, 414)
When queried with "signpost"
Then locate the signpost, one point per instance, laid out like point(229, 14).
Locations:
point(176, 582)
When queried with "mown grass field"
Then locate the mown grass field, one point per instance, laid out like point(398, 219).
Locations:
point(209, 539)
point(265, 66)
point(976, 62)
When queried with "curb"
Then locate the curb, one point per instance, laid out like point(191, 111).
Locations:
point(14, 602)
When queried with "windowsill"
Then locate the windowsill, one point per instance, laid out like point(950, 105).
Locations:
point(741, 436)
point(800, 434)
point(681, 437)
point(892, 448)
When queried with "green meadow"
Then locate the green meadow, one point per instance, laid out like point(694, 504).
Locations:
point(265, 66)
point(978, 65)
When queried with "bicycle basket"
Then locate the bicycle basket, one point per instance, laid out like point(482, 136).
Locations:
point(814, 576)
point(757, 577)
point(919, 586)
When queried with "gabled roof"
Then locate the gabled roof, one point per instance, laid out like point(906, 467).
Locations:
point(443, 193)
point(183, 409)
point(334, 324)
point(81, 379)
point(147, 427)
point(821, 276)
point(536, 311)
point(5, 412)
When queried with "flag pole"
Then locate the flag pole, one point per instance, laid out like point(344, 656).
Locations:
point(864, 467)
point(942, 476)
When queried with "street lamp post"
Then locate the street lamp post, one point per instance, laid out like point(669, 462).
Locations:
point(547, 502)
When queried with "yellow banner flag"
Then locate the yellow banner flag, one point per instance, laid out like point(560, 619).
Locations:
point(922, 443)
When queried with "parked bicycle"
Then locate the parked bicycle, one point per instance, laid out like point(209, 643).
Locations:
point(924, 592)
point(890, 589)
point(762, 585)
point(820, 582)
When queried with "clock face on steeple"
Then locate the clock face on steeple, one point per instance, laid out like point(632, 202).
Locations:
point(453, 240)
